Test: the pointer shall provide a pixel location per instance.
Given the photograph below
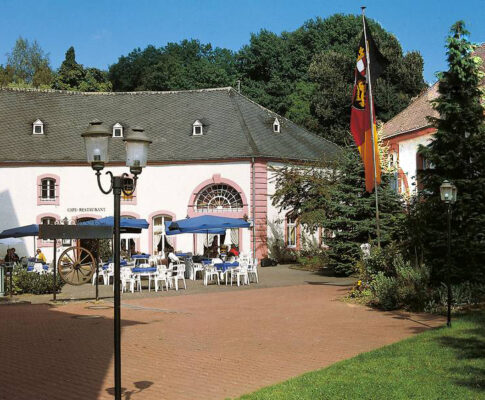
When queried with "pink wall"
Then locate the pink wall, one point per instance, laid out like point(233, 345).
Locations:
point(261, 208)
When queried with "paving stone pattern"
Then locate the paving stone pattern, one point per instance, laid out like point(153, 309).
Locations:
point(213, 345)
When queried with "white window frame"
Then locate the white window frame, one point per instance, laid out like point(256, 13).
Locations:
point(160, 232)
point(38, 123)
point(195, 125)
point(291, 223)
point(276, 126)
point(115, 127)
point(49, 183)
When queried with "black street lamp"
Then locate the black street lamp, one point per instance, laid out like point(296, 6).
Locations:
point(96, 139)
point(448, 195)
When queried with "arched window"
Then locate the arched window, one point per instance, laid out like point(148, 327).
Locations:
point(160, 240)
point(218, 198)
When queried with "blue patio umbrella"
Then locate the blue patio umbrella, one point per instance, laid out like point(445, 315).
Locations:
point(207, 222)
point(20, 231)
point(214, 231)
point(132, 225)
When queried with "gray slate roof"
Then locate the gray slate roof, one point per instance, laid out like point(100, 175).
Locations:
point(234, 126)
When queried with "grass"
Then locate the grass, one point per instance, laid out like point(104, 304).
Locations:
point(440, 364)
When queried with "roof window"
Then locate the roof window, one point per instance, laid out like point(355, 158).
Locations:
point(276, 126)
point(197, 128)
point(117, 130)
point(38, 127)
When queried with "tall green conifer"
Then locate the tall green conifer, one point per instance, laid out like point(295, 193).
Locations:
point(457, 154)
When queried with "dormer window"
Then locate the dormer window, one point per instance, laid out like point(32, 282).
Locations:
point(197, 128)
point(117, 130)
point(38, 127)
point(276, 126)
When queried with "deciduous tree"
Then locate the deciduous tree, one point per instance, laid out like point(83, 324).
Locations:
point(28, 65)
point(331, 195)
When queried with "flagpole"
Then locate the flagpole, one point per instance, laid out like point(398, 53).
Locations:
point(371, 108)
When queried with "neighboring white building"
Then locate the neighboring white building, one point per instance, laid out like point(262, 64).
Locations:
point(211, 154)
point(409, 129)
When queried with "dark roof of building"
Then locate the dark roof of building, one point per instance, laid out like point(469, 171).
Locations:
point(234, 126)
point(415, 116)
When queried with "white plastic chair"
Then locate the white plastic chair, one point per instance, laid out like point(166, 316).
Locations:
point(109, 273)
point(178, 274)
point(101, 275)
point(198, 267)
point(253, 270)
point(126, 277)
point(209, 273)
point(161, 276)
point(39, 268)
point(242, 272)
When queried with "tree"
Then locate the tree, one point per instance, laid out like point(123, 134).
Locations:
point(177, 66)
point(28, 64)
point(73, 76)
point(457, 154)
point(331, 195)
point(307, 75)
point(332, 68)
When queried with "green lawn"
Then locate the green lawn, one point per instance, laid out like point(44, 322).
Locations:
point(438, 364)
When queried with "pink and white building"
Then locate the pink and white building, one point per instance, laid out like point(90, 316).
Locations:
point(212, 153)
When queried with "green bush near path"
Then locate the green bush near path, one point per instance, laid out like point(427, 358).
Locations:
point(439, 364)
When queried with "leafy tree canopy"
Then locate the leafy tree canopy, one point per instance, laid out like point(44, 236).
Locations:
point(27, 65)
point(305, 75)
point(177, 66)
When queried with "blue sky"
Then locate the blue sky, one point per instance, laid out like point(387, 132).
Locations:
point(102, 30)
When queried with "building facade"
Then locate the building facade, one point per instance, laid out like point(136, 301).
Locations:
point(213, 152)
point(411, 128)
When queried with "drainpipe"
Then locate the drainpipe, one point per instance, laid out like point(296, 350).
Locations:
point(254, 207)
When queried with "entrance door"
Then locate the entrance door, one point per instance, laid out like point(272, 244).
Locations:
point(88, 244)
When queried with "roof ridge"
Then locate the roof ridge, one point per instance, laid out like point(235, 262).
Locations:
point(284, 118)
point(146, 92)
point(252, 144)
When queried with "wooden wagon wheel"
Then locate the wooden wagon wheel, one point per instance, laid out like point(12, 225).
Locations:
point(76, 265)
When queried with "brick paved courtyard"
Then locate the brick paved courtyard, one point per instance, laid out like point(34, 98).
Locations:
point(212, 344)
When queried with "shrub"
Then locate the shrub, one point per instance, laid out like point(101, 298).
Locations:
point(413, 285)
point(385, 290)
point(33, 283)
point(394, 282)
point(313, 263)
point(276, 245)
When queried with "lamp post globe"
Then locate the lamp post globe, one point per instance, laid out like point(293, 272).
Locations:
point(448, 192)
point(96, 140)
point(136, 144)
point(445, 191)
